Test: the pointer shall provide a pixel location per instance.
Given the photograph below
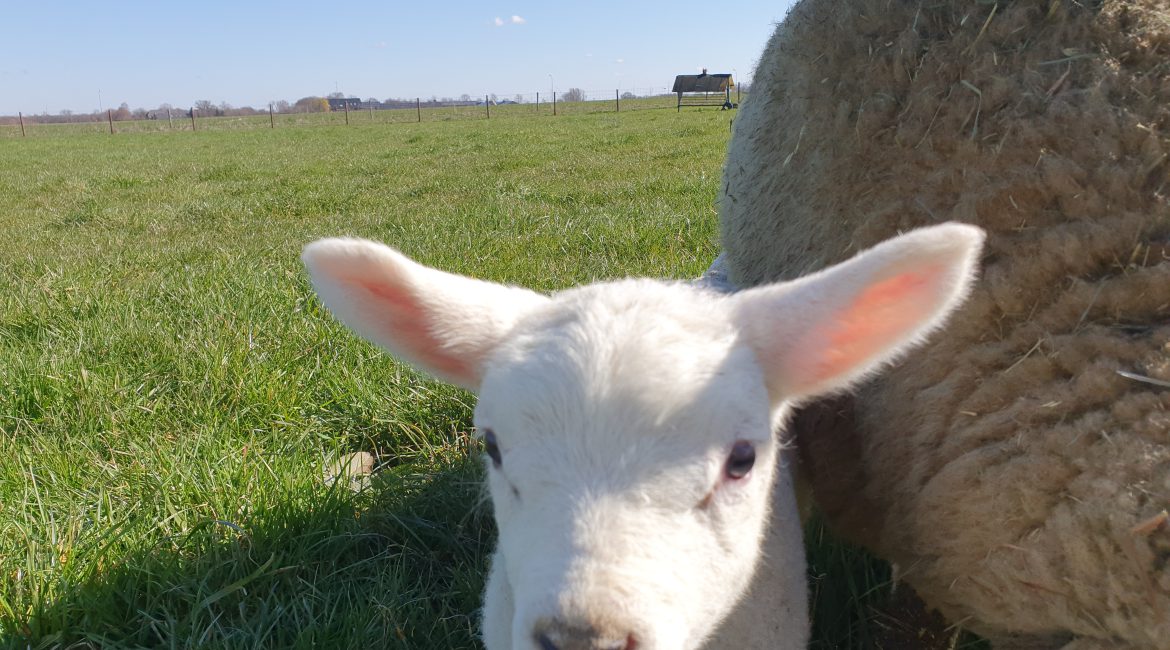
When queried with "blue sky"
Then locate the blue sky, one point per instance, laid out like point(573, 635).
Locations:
point(61, 55)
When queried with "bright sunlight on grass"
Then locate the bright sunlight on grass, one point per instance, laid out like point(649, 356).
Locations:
point(171, 392)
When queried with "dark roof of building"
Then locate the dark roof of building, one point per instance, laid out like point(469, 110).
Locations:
point(701, 83)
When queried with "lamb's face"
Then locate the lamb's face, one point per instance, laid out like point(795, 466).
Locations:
point(630, 458)
point(629, 423)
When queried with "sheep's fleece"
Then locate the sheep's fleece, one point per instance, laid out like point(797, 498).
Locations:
point(1018, 481)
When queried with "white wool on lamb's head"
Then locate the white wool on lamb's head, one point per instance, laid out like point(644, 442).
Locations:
point(629, 425)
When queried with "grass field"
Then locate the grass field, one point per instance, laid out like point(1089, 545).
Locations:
point(180, 121)
point(171, 393)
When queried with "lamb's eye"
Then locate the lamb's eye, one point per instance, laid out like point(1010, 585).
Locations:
point(740, 460)
point(490, 446)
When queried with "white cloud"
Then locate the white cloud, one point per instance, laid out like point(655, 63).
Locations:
point(499, 22)
point(517, 20)
point(620, 61)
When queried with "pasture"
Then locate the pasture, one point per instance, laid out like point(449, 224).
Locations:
point(180, 119)
point(171, 393)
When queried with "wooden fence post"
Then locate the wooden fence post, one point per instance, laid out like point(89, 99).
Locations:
point(538, 102)
point(418, 107)
point(271, 118)
point(554, 102)
point(345, 103)
point(617, 101)
point(110, 117)
point(487, 105)
point(170, 122)
point(20, 116)
point(192, 119)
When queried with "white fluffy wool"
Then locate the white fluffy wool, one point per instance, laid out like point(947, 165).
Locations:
point(642, 497)
point(1017, 479)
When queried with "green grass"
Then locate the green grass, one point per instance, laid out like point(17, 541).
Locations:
point(171, 391)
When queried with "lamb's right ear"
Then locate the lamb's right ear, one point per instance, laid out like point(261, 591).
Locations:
point(443, 323)
point(823, 332)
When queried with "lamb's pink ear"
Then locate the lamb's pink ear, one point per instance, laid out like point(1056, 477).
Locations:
point(823, 332)
point(442, 323)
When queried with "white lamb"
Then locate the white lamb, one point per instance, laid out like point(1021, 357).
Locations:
point(632, 426)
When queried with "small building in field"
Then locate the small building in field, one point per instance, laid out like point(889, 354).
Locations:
point(341, 103)
point(704, 90)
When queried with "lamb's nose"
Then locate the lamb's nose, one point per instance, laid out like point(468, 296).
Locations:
point(552, 634)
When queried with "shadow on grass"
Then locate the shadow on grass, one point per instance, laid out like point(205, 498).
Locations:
point(399, 565)
point(855, 604)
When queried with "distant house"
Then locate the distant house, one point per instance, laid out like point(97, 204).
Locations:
point(704, 90)
point(389, 104)
point(340, 103)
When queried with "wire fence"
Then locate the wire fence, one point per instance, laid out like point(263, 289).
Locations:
point(355, 111)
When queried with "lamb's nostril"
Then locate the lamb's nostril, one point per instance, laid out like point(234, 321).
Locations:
point(555, 635)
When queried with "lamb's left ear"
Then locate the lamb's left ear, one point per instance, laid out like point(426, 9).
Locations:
point(445, 324)
point(823, 332)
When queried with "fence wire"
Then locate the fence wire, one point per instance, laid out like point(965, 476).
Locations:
point(351, 111)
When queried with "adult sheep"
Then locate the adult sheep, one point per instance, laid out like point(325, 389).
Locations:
point(1017, 469)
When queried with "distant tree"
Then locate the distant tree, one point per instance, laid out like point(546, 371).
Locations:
point(205, 108)
point(629, 95)
point(519, 99)
point(494, 98)
point(65, 112)
point(372, 100)
point(281, 106)
point(122, 112)
point(465, 97)
point(336, 96)
point(573, 95)
point(312, 105)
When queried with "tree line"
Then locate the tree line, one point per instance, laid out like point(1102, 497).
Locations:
point(310, 104)
point(203, 108)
